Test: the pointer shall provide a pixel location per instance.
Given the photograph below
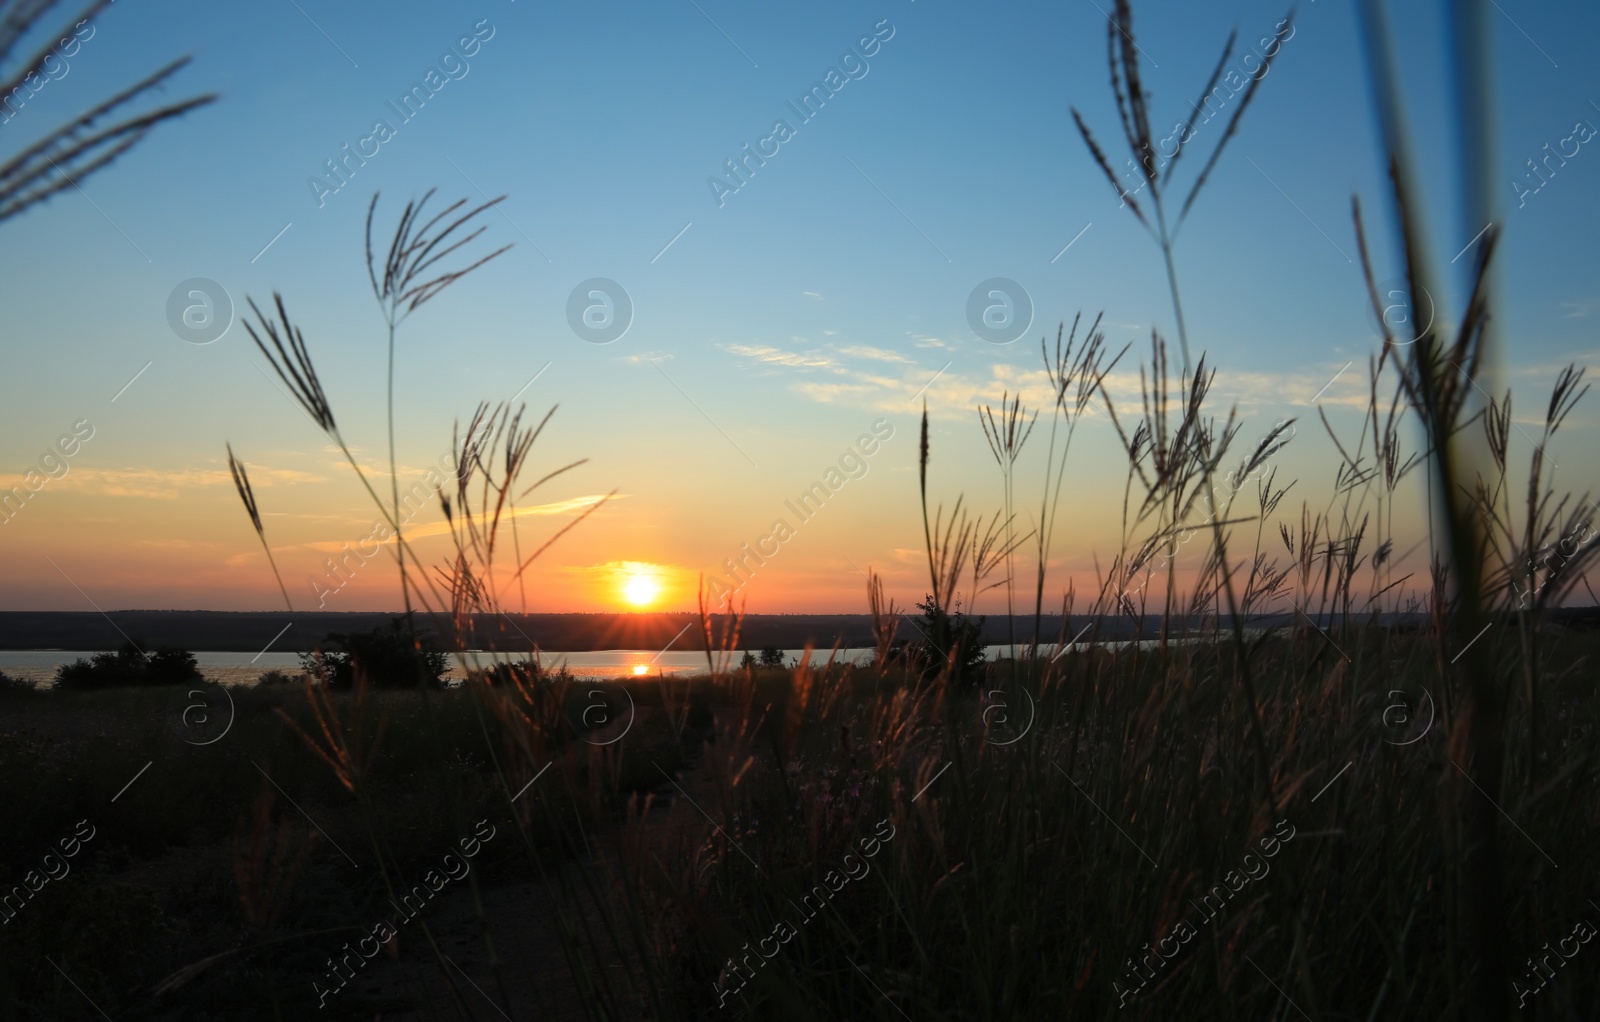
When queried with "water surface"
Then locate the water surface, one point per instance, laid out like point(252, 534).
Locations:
point(39, 665)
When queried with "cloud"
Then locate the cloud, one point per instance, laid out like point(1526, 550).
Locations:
point(161, 484)
point(815, 296)
point(1332, 386)
point(778, 356)
point(624, 569)
point(345, 518)
point(373, 532)
point(889, 381)
point(877, 354)
point(329, 547)
point(559, 507)
point(1545, 373)
point(953, 393)
point(898, 386)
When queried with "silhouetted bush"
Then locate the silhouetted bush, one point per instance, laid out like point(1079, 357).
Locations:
point(945, 634)
point(389, 658)
point(130, 665)
point(15, 686)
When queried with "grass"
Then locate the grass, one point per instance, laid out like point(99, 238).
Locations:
point(182, 843)
point(1334, 818)
point(1023, 878)
point(1016, 883)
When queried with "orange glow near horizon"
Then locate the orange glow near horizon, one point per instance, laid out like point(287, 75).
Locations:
point(641, 669)
point(159, 538)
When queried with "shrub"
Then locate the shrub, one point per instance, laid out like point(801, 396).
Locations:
point(130, 665)
point(944, 633)
point(771, 656)
point(15, 686)
point(389, 658)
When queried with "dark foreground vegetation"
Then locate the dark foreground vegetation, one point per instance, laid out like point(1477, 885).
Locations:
point(240, 837)
point(1058, 842)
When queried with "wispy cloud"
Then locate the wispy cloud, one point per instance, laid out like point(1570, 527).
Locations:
point(778, 356)
point(618, 570)
point(559, 507)
point(1545, 372)
point(442, 528)
point(328, 546)
point(160, 484)
point(959, 389)
point(951, 395)
point(876, 354)
point(885, 380)
point(171, 544)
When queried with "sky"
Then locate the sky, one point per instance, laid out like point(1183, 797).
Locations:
point(768, 326)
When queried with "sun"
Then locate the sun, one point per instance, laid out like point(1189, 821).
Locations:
point(638, 585)
point(640, 589)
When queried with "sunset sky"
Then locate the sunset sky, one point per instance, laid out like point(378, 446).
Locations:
point(772, 326)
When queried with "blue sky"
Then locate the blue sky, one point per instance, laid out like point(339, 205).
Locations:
point(818, 298)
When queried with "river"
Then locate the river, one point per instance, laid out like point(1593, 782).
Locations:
point(39, 665)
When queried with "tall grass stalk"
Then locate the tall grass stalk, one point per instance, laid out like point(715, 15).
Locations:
point(1127, 87)
point(1081, 376)
point(241, 484)
point(1006, 434)
point(409, 280)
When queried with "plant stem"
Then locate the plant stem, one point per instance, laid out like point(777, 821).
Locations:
point(1172, 284)
point(394, 480)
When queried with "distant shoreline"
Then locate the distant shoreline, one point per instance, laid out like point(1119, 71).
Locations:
point(228, 631)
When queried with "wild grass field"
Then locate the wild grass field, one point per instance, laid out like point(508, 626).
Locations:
point(1344, 817)
point(839, 843)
